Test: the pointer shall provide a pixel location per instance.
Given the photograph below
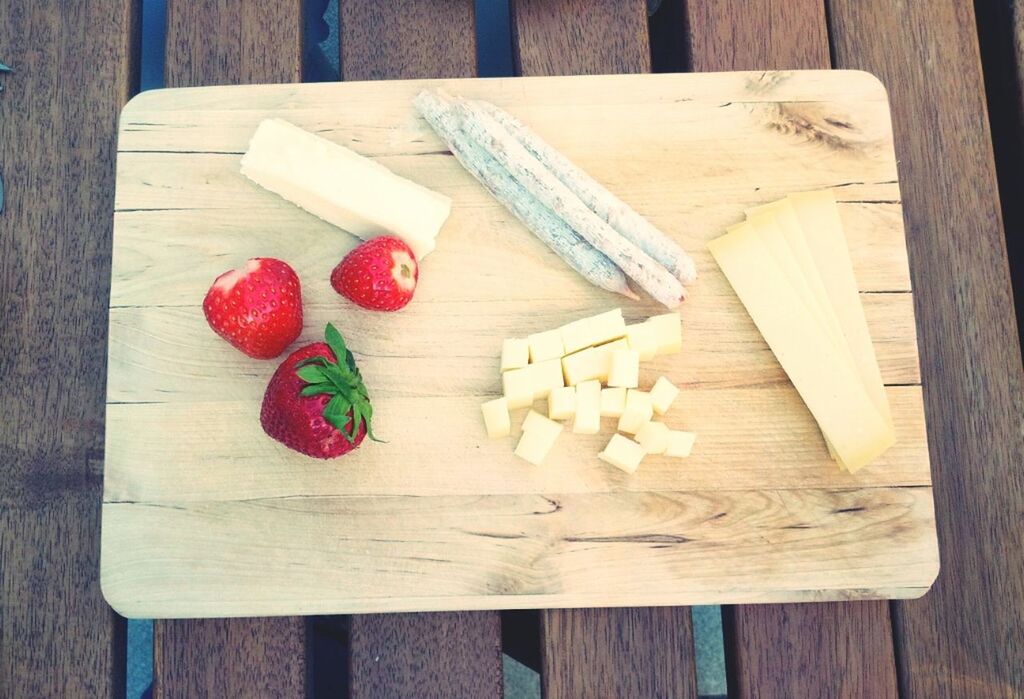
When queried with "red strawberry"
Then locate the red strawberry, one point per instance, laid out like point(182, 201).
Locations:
point(257, 308)
point(316, 405)
point(380, 274)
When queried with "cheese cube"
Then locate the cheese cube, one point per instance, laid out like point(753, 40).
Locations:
point(515, 354)
point(588, 408)
point(545, 345)
point(496, 418)
point(680, 444)
point(535, 380)
point(594, 330)
point(653, 437)
point(342, 187)
point(668, 330)
point(613, 402)
point(517, 387)
point(663, 394)
point(562, 403)
point(638, 411)
point(546, 376)
point(539, 436)
point(643, 338)
point(591, 363)
point(625, 369)
point(622, 453)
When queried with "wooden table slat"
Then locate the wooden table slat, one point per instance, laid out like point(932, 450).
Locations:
point(769, 648)
point(966, 637)
point(601, 652)
point(454, 654)
point(209, 44)
point(58, 121)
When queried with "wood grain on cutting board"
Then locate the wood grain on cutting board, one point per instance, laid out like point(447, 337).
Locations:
point(204, 515)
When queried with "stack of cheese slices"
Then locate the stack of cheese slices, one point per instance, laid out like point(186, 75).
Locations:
point(790, 266)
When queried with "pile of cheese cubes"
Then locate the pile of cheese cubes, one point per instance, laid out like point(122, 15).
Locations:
point(589, 369)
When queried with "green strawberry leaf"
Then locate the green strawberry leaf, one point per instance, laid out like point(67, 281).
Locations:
point(316, 389)
point(337, 343)
point(312, 374)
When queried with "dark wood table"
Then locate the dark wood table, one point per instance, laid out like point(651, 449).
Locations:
point(77, 64)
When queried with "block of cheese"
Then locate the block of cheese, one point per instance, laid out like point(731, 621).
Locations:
point(515, 354)
point(668, 330)
point(562, 403)
point(496, 418)
point(680, 444)
point(823, 231)
point(637, 413)
point(342, 187)
point(663, 395)
point(830, 387)
point(623, 453)
point(625, 369)
point(643, 337)
point(613, 402)
point(594, 330)
point(545, 345)
point(534, 379)
point(588, 408)
point(653, 437)
point(591, 363)
point(539, 436)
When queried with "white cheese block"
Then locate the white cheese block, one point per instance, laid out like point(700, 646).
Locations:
point(539, 436)
point(653, 437)
point(680, 444)
point(496, 418)
point(668, 330)
point(643, 337)
point(594, 330)
point(590, 363)
point(663, 394)
point(625, 369)
point(588, 408)
point(637, 413)
point(613, 402)
point(828, 384)
point(623, 453)
point(342, 187)
point(515, 354)
point(545, 345)
point(535, 380)
point(562, 403)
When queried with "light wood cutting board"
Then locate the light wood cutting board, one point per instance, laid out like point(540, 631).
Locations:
point(204, 515)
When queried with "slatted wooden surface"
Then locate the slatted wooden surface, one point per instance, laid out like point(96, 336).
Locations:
point(216, 44)
point(55, 635)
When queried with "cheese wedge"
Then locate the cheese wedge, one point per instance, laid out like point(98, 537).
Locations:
point(828, 384)
point(342, 187)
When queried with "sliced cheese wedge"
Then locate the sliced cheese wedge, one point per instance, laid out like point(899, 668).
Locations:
point(831, 388)
point(342, 187)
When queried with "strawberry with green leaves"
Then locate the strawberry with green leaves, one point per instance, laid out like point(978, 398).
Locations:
point(316, 402)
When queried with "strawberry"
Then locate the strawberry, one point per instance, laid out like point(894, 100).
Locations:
point(257, 308)
point(380, 274)
point(315, 404)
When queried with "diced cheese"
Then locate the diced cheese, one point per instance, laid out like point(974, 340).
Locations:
point(590, 363)
point(625, 369)
point(668, 331)
point(637, 413)
point(613, 402)
point(496, 418)
point(831, 388)
point(663, 394)
point(535, 380)
point(643, 337)
point(562, 403)
point(342, 187)
point(588, 408)
point(680, 444)
point(623, 453)
point(545, 345)
point(594, 330)
point(539, 436)
point(654, 437)
point(515, 354)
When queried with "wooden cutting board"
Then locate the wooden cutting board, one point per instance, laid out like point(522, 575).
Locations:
point(204, 515)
